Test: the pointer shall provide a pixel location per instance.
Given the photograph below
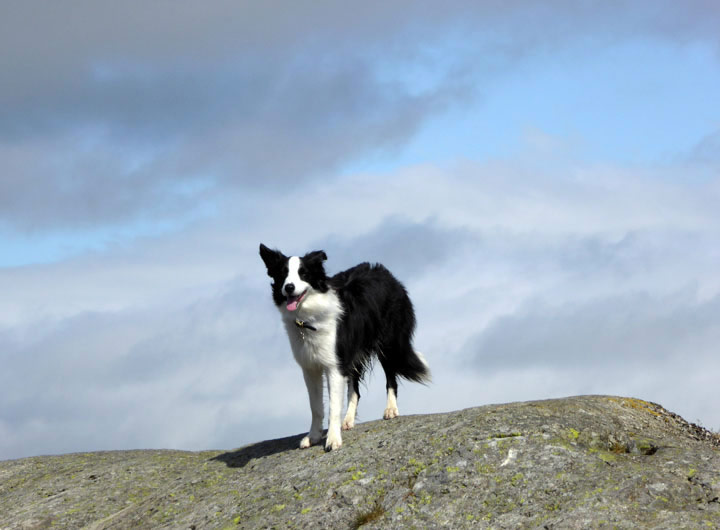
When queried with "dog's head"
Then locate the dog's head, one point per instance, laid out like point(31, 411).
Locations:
point(294, 278)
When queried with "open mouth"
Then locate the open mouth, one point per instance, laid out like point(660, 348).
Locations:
point(293, 301)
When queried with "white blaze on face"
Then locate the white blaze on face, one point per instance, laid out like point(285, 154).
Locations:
point(293, 277)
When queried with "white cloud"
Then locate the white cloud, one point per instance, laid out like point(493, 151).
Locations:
point(174, 341)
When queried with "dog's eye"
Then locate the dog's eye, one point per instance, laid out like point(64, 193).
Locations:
point(301, 271)
point(285, 270)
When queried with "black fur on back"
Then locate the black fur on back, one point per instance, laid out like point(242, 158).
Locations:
point(378, 319)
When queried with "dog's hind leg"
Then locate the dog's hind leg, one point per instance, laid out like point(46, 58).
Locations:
point(391, 408)
point(353, 394)
point(313, 381)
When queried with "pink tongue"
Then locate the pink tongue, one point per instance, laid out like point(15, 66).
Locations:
point(292, 303)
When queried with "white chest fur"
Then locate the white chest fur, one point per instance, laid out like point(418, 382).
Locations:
point(314, 349)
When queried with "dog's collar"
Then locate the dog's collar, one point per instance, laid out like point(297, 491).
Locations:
point(304, 325)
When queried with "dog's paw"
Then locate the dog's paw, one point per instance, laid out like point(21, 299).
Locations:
point(390, 412)
point(348, 423)
point(333, 442)
point(308, 441)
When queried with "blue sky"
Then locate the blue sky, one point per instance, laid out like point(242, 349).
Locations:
point(543, 178)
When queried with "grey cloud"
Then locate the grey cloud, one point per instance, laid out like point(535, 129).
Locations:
point(631, 332)
point(645, 344)
point(50, 186)
point(707, 151)
point(128, 149)
point(407, 248)
point(155, 70)
point(167, 67)
point(115, 111)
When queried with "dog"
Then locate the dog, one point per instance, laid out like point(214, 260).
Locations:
point(336, 326)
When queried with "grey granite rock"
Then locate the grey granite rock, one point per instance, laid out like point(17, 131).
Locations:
point(580, 462)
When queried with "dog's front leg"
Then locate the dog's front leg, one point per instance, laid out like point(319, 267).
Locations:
point(313, 381)
point(336, 388)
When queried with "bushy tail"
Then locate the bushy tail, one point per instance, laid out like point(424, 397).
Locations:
point(415, 368)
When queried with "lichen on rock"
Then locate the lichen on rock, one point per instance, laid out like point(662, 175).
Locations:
point(587, 461)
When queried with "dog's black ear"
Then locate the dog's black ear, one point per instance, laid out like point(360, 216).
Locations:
point(314, 262)
point(315, 255)
point(272, 258)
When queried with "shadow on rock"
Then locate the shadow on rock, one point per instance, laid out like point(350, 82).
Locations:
point(242, 456)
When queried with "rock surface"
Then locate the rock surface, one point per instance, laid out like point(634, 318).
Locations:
point(580, 462)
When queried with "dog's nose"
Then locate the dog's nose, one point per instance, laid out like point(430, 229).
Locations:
point(289, 288)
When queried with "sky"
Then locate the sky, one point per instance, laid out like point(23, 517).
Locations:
point(542, 177)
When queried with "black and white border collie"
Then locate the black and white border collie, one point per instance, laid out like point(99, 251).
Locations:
point(336, 325)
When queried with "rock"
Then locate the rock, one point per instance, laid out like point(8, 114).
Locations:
point(588, 461)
